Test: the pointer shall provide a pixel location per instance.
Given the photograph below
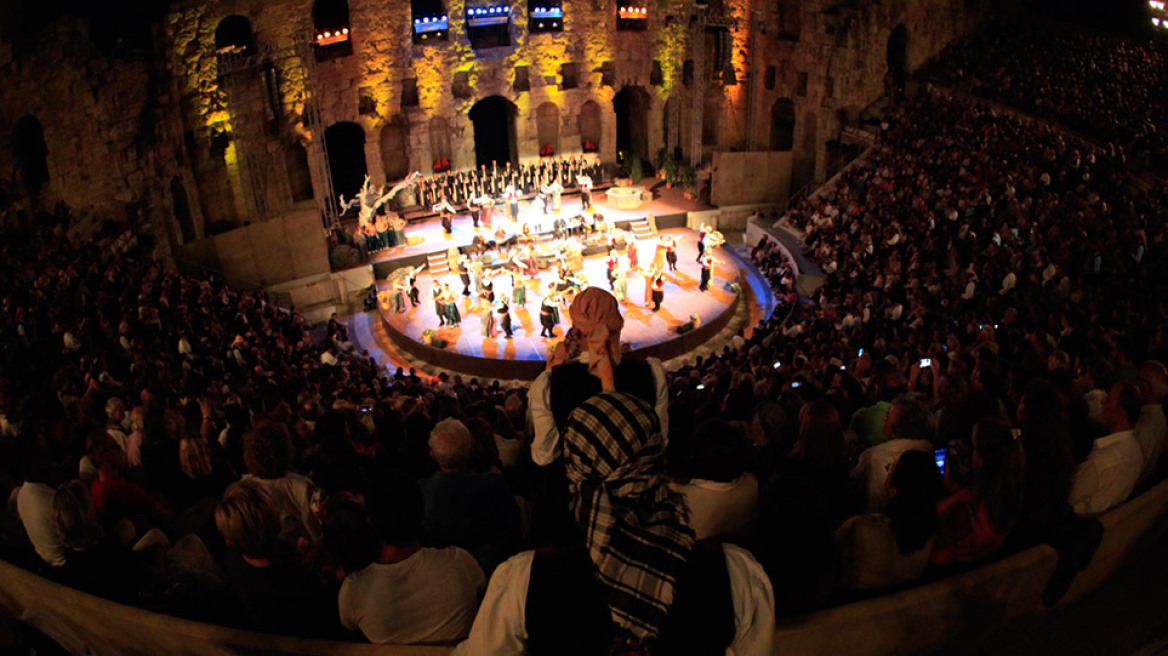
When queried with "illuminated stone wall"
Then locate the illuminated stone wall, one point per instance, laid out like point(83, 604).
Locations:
point(829, 59)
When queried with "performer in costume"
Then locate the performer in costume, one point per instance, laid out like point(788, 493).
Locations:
point(557, 190)
point(702, 234)
point(489, 321)
point(452, 313)
point(531, 263)
point(504, 316)
point(707, 263)
point(611, 263)
point(473, 209)
point(446, 210)
point(621, 286)
point(631, 250)
point(439, 303)
point(658, 290)
point(547, 314)
point(464, 274)
point(486, 205)
point(511, 196)
point(398, 225)
point(518, 288)
point(399, 295)
point(585, 183)
point(670, 252)
point(412, 283)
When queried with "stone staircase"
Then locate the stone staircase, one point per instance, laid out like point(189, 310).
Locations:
point(641, 229)
point(436, 262)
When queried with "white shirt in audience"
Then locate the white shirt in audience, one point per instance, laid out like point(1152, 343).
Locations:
point(1108, 475)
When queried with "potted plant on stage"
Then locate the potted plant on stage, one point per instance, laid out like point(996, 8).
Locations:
point(636, 169)
point(669, 165)
point(689, 182)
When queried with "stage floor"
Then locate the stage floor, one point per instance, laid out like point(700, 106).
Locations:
point(433, 238)
point(643, 327)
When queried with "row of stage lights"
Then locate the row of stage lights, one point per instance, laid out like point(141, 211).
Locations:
point(637, 13)
point(1160, 23)
point(487, 11)
point(428, 20)
point(329, 37)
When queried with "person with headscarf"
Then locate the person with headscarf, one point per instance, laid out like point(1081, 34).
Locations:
point(568, 380)
point(637, 582)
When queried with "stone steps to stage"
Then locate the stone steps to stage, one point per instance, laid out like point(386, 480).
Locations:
point(437, 263)
point(641, 229)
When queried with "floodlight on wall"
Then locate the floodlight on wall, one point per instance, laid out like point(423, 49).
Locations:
point(546, 17)
point(329, 37)
point(431, 27)
point(633, 12)
point(1156, 4)
point(492, 15)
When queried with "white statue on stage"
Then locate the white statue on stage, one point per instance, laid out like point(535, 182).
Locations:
point(371, 198)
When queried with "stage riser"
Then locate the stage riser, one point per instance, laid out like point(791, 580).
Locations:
point(381, 270)
point(528, 369)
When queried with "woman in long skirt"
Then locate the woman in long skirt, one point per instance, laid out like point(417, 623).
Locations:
point(488, 322)
point(621, 285)
point(518, 289)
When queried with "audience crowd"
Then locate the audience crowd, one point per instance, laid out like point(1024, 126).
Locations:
point(1104, 87)
point(992, 302)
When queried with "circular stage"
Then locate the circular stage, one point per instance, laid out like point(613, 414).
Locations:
point(646, 333)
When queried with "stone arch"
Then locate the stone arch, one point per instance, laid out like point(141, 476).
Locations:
point(345, 143)
point(494, 130)
point(30, 152)
point(897, 56)
point(395, 148)
point(234, 34)
point(783, 124)
point(299, 173)
point(547, 125)
point(182, 209)
point(631, 105)
point(439, 140)
point(590, 126)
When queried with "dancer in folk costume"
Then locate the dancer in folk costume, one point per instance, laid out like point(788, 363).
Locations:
point(504, 313)
point(518, 288)
point(670, 252)
point(620, 286)
point(439, 303)
point(658, 289)
point(446, 211)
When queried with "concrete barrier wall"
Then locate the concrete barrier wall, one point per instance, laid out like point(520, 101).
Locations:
point(920, 619)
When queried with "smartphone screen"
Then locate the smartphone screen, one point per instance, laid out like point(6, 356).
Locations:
point(926, 362)
point(939, 458)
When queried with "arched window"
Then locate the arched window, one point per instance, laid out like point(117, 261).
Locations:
point(440, 143)
point(589, 124)
point(331, 20)
point(547, 124)
point(346, 156)
point(31, 153)
point(234, 35)
point(395, 153)
point(783, 124)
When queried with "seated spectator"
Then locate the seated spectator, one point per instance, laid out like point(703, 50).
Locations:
point(409, 594)
point(906, 428)
point(204, 477)
point(34, 504)
point(267, 451)
point(1046, 439)
point(596, 323)
point(93, 563)
point(821, 454)
point(976, 520)
point(1109, 474)
point(1151, 429)
point(639, 584)
point(721, 496)
point(277, 594)
point(116, 498)
point(868, 423)
point(882, 550)
point(475, 511)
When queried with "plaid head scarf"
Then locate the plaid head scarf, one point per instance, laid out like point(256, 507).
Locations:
point(637, 530)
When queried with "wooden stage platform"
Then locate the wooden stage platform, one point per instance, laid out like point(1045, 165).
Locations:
point(646, 332)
